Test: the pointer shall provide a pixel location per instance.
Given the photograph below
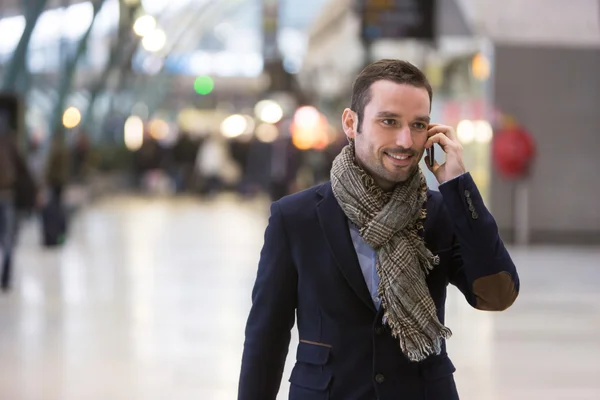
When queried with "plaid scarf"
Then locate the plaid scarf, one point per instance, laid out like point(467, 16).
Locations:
point(391, 223)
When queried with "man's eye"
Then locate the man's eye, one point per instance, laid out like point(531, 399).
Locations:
point(419, 125)
point(390, 122)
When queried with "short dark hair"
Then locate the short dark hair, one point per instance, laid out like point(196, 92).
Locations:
point(398, 71)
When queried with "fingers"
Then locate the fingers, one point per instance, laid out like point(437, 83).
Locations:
point(446, 130)
point(433, 168)
point(441, 139)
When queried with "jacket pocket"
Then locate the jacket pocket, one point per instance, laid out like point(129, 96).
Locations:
point(313, 352)
point(440, 368)
point(309, 379)
point(438, 380)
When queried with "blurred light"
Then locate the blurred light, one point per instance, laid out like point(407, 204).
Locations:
point(154, 41)
point(71, 118)
point(465, 131)
point(233, 126)
point(159, 129)
point(250, 125)
point(267, 133)
point(302, 140)
point(134, 133)
point(204, 85)
point(309, 129)
point(480, 66)
point(144, 25)
point(307, 117)
point(131, 2)
point(483, 132)
point(268, 111)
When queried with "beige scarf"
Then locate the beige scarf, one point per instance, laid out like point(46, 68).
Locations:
point(390, 224)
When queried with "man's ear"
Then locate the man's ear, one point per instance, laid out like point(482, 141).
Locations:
point(350, 123)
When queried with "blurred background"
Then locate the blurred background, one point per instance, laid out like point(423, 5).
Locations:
point(141, 142)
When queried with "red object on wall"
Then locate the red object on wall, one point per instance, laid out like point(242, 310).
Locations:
point(513, 151)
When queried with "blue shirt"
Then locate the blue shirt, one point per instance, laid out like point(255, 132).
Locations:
point(367, 258)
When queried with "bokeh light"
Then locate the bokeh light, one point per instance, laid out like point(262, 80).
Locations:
point(159, 129)
point(144, 25)
point(310, 129)
point(267, 133)
point(203, 85)
point(307, 117)
point(233, 126)
point(71, 117)
point(480, 67)
point(483, 132)
point(268, 111)
point(134, 133)
point(465, 131)
point(154, 41)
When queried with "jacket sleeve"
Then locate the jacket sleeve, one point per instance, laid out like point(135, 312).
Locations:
point(481, 266)
point(272, 315)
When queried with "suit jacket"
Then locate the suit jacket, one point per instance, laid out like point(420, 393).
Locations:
point(309, 269)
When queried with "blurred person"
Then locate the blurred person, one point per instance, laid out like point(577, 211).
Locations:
point(146, 159)
point(184, 155)
point(80, 157)
point(211, 160)
point(54, 218)
point(284, 167)
point(239, 149)
point(364, 260)
point(18, 195)
point(57, 167)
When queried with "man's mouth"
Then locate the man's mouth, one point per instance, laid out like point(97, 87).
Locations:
point(399, 159)
point(399, 156)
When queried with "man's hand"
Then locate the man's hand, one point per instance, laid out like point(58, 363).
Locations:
point(446, 138)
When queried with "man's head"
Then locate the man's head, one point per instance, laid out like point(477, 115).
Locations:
point(388, 120)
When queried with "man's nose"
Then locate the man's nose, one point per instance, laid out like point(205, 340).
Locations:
point(404, 137)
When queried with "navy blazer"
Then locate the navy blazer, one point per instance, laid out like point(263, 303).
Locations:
point(309, 269)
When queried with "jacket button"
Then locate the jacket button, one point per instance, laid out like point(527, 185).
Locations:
point(474, 215)
point(467, 194)
point(379, 378)
point(379, 330)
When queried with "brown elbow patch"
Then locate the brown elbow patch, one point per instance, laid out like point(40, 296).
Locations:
point(495, 292)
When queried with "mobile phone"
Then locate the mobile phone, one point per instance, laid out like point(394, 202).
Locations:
point(431, 155)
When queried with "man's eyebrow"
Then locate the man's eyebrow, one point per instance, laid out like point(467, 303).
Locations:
point(387, 114)
point(390, 114)
point(424, 118)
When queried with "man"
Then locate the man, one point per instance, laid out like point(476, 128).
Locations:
point(18, 194)
point(364, 260)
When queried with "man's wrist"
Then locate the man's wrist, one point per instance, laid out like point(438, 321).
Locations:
point(452, 179)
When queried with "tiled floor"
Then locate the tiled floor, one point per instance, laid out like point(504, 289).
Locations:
point(149, 298)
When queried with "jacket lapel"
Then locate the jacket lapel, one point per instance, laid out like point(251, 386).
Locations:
point(334, 223)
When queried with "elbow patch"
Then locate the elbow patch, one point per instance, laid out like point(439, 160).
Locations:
point(495, 292)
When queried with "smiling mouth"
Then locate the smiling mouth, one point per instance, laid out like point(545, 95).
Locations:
point(399, 156)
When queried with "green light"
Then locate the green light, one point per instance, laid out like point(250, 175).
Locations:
point(204, 85)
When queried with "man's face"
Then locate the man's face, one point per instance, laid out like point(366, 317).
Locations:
point(391, 140)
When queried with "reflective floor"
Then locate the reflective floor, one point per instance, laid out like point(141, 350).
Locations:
point(149, 298)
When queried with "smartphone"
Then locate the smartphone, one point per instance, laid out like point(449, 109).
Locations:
point(431, 155)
